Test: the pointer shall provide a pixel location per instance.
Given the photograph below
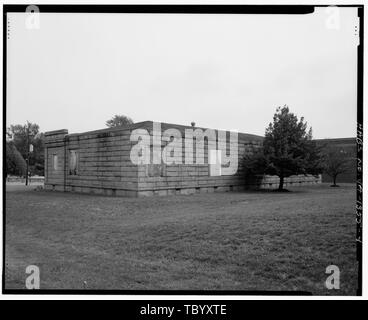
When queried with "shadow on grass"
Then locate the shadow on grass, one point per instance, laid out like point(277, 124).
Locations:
point(273, 191)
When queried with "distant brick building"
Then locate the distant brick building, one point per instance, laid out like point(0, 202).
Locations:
point(349, 147)
point(100, 162)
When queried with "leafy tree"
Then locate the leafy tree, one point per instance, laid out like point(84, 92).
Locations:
point(17, 134)
point(254, 163)
point(119, 121)
point(336, 162)
point(288, 149)
point(37, 157)
point(15, 163)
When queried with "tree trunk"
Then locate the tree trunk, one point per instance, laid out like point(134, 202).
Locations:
point(281, 185)
point(334, 180)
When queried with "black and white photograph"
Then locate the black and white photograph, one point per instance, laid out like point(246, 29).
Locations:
point(182, 149)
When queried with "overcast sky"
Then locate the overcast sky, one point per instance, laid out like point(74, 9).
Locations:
point(222, 71)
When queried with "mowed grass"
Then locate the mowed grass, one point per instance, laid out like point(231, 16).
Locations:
point(220, 241)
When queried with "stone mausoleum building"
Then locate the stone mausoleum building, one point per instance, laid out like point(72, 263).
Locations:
point(101, 162)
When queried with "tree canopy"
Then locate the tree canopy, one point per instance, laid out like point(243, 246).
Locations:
point(288, 149)
point(119, 121)
point(15, 163)
point(336, 162)
point(17, 135)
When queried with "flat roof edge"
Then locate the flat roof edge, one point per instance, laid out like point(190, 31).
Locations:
point(56, 132)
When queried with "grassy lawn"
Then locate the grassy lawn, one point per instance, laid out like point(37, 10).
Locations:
point(222, 241)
